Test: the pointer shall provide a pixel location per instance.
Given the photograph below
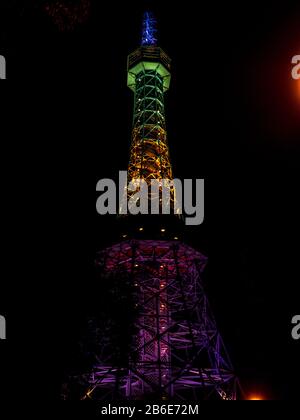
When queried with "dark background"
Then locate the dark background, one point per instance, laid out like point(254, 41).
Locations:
point(233, 119)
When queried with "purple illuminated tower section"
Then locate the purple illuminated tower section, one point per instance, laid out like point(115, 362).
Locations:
point(176, 352)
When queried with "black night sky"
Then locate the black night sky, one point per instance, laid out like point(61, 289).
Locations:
point(233, 116)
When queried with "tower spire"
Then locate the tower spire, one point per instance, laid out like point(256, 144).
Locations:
point(149, 36)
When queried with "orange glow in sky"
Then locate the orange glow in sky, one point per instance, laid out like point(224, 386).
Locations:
point(255, 398)
point(297, 83)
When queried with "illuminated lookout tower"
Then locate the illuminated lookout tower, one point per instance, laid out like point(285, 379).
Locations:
point(176, 352)
point(149, 77)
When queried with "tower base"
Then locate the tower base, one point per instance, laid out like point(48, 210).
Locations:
point(175, 350)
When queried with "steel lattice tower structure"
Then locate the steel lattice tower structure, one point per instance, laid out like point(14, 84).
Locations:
point(176, 351)
point(149, 78)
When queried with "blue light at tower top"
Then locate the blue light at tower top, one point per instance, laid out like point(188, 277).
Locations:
point(149, 30)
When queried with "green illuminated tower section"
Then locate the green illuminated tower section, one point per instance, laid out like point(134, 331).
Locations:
point(149, 78)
